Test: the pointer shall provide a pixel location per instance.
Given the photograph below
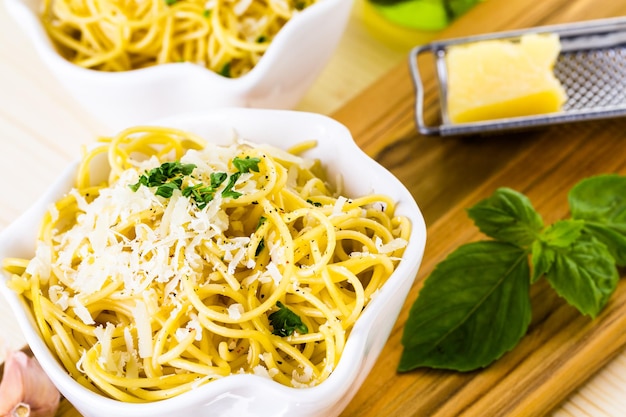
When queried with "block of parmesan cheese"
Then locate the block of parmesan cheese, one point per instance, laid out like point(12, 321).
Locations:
point(497, 79)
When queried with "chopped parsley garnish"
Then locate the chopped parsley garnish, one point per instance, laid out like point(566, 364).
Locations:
point(165, 177)
point(261, 244)
point(200, 194)
point(225, 71)
point(246, 164)
point(260, 247)
point(169, 176)
point(285, 322)
point(228, 191)
point(166, 190)
point(217, 178)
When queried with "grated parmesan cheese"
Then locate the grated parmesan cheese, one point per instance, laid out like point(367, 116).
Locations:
point(81, 311)
point(261, 370)
point(338, 207)
point(241, 6)
point(59, 296)
point(104, 336)
point(128, 340)
point(397, 243)
point(274, 273)
point(304, 379)
point(235, 311)
point(39, 266)
point(54, 213)
point(144, 329)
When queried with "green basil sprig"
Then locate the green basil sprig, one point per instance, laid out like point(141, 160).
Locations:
point(475, 306)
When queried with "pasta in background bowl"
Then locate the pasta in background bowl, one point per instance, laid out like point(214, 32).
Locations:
point(250, 394)
point(288, 67)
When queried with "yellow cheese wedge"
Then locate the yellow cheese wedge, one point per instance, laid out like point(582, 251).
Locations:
point(502, 78)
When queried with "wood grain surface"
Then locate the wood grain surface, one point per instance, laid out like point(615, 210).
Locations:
point(447, 175)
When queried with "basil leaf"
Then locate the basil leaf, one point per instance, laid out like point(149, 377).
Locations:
point(600, 199)
point(507, 215)
point(542, 259)
point(562, 233)
point(601, 202)
point(584, 275)
point(613, 239)
point(474, 307)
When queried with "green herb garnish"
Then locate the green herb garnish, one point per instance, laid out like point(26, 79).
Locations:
point(217, 178)
point(262, 220)
point(228, 190)
point(260, 247)
point(261, 244)
point(166, 177)
point(200, 194)
point(246, 164)
point(285, 322)
point(170, 175)
point(225, 71)
point(475, 306)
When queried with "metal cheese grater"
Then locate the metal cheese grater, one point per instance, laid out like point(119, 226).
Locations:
point(591, 67)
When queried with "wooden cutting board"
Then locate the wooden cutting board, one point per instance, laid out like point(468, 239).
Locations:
point(446, 175)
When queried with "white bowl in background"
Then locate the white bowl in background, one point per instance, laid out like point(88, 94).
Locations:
point(250, 395)
point(292, 62)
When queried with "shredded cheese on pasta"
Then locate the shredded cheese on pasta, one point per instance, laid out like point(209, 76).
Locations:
point(226, 36)
point(144, 296)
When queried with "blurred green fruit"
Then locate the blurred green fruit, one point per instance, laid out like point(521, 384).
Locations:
point(422, 14)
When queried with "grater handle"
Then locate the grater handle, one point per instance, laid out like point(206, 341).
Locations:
point(419, 91)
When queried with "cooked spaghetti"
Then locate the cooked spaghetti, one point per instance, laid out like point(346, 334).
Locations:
point(194, 261)
point(226, 36)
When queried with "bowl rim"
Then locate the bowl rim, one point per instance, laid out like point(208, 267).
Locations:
point(333, 388)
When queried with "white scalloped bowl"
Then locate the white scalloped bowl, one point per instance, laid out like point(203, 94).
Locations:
point(251, 395)
point(292, 62)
